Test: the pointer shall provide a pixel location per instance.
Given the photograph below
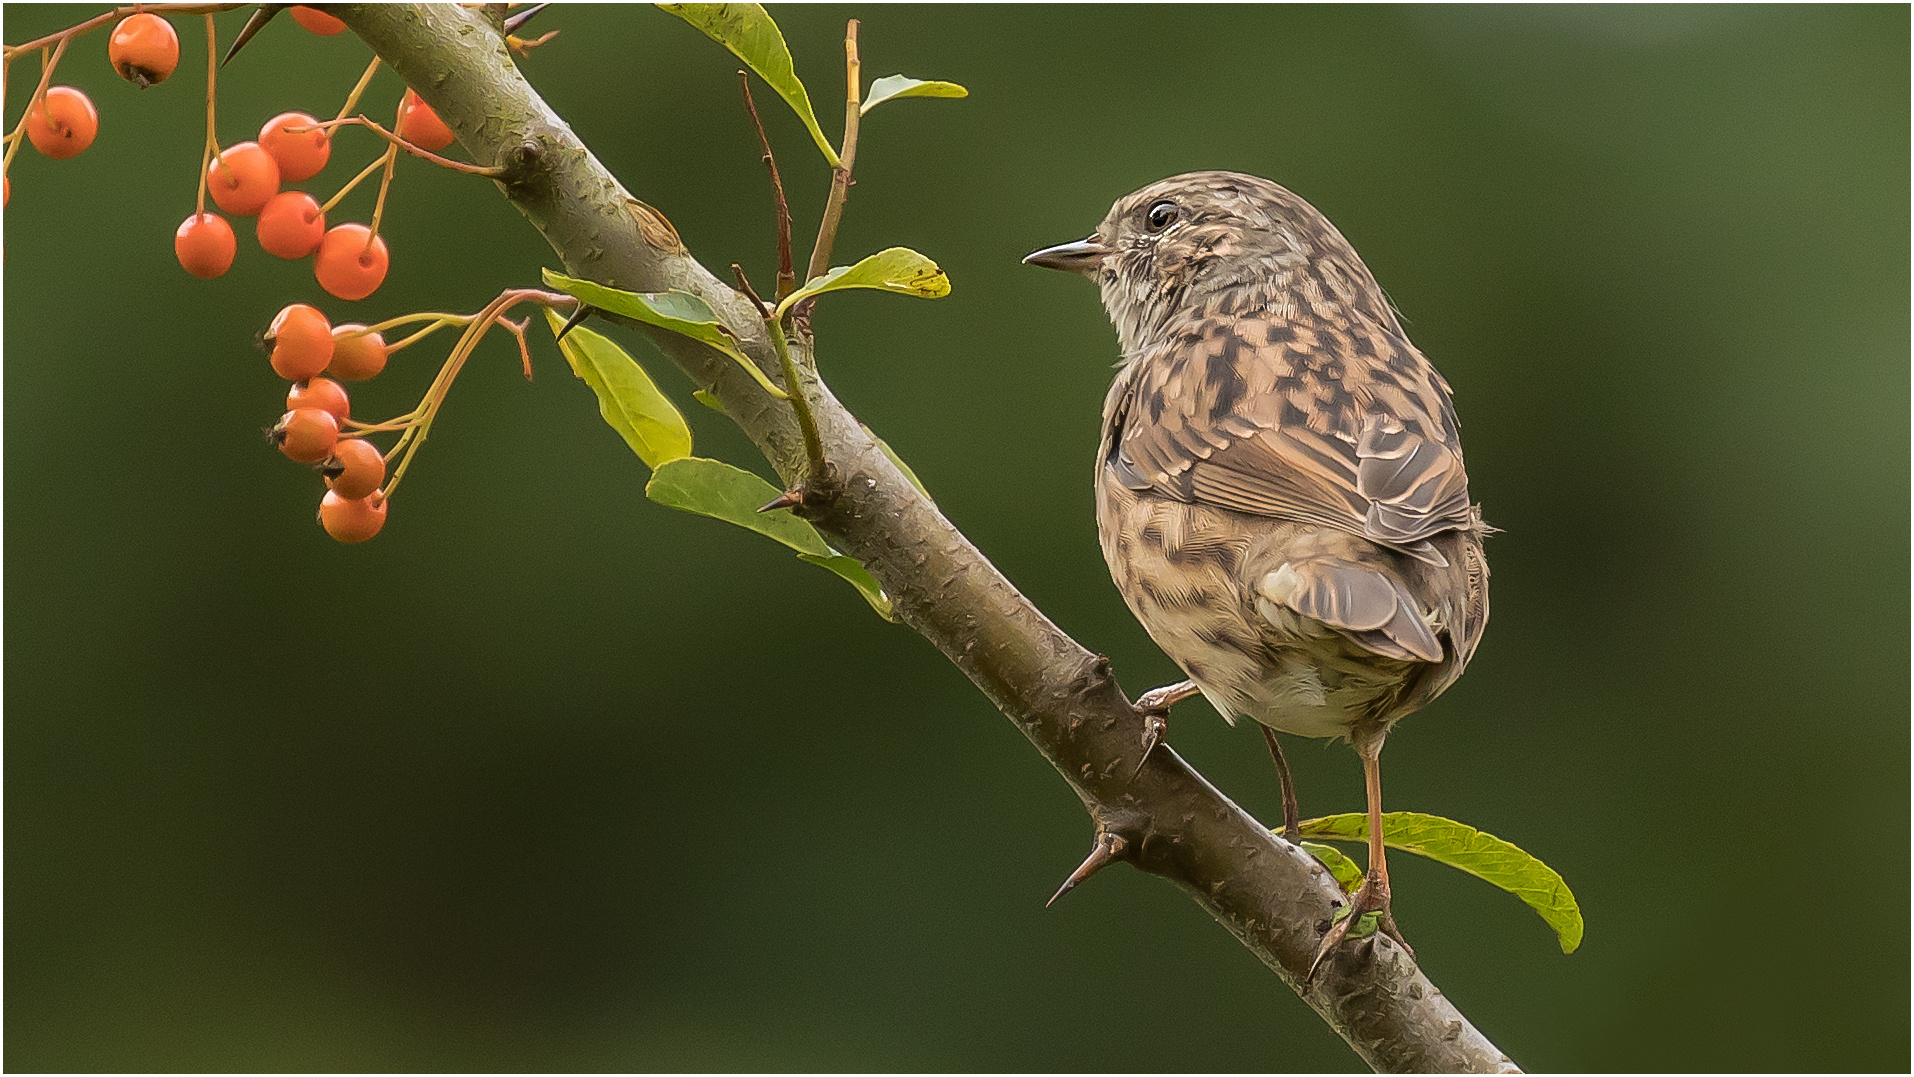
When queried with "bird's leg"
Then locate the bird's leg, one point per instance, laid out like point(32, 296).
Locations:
point(1154, 705)
point(1373, 895)
point(1292, 825)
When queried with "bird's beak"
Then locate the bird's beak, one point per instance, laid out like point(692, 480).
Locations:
point(1085, 256)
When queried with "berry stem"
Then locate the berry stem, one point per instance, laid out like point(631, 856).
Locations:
point(351, 183)
point(212, 139)
point(391, 160)
point(38, 100)
point(352, 99)
point(416, 425)
point(416, 151)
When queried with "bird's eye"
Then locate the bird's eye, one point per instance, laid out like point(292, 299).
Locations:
point(1162, 215)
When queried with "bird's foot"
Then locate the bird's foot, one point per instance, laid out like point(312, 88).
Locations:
point(1366, 914)
point(1154, 705)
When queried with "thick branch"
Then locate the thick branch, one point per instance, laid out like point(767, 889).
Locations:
point(1270, 894)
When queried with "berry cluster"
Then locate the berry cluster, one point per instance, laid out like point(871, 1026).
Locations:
point(317, 428)
point(246, 179)
point(254, 179)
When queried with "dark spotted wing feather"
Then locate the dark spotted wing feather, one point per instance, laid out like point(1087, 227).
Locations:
point(1314, 416)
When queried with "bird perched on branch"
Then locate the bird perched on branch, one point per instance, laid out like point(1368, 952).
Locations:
point(1280, 490)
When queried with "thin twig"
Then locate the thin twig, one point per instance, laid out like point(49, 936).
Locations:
point(744, 285)
point(847, 156)
point(114, 15)
point(787, 275)
point(38, 100)
point(358, 89)
point(411, 148)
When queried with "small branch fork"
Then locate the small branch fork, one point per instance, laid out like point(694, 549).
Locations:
point(416, 425)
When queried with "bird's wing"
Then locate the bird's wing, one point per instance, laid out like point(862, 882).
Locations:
point(1338, 424)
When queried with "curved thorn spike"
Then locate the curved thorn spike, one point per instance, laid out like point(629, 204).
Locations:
point(518, 21)
point(1154, 728)
point(787, 499)
point(253, 25)
point(1105, 852)
point(577, 318)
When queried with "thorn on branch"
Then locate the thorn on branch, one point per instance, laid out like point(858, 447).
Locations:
point(517, 22)
point(576, 319)
point(788, 499)
point(253, 25)
point(1108, 849)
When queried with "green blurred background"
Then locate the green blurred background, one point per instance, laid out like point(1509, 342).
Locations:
point(549, 777)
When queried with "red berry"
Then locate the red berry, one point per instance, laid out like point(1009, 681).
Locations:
point(317, 21)
point(421, 126)
point(205, 245)
point(301, 155)
point(354, 520)
point(355, 469)
point(65, 125)
point(6, 189)
point(346, 266)
point(322, 393)
point(291, 225)
point(305, 435)
point(242, 179)
point(144, 49)
point(301, 342)
point(356, 354)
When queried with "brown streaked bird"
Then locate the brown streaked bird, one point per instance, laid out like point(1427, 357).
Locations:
point(1280, 490)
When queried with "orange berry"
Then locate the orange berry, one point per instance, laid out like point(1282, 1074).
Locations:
point(352, 519)
point(65, 125)
point(317, 21)
point(355, 469)
point(242, 179)
point(205, 245)
point(301, 342)
point(301, 155)
point(291, 225)
point(144, 49)
point(346, 266)
point(356, 355)
point(322, 393)
point(6, 190)
point(421, 126)
point(305, 435)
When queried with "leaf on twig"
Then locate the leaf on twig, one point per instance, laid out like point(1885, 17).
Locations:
point(680, 312)
point(899, 86)
point(753, 36)
point(1465, 848)
point(627, 397)
point(1341, 868)
point(898, 269)
point(718, 490)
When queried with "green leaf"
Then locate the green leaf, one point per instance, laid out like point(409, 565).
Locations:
point(885, 448)
point(718, 490)
point(751, 35)
point(898, 269)
point(627, 397)
point(898, 86)
point(680, 312)
point(1341, 868)
point(709, 401)
point(1465, 848)
point(853, 571)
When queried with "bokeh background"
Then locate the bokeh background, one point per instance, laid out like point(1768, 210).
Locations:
point(548, 777)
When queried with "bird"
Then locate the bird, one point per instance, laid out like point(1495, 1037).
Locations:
point(1280, 489)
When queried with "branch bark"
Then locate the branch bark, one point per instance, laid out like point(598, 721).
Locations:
point(1168, 821)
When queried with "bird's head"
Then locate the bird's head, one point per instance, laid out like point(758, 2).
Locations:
point(1186, 241)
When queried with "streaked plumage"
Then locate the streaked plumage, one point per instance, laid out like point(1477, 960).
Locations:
point(1280, 487)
